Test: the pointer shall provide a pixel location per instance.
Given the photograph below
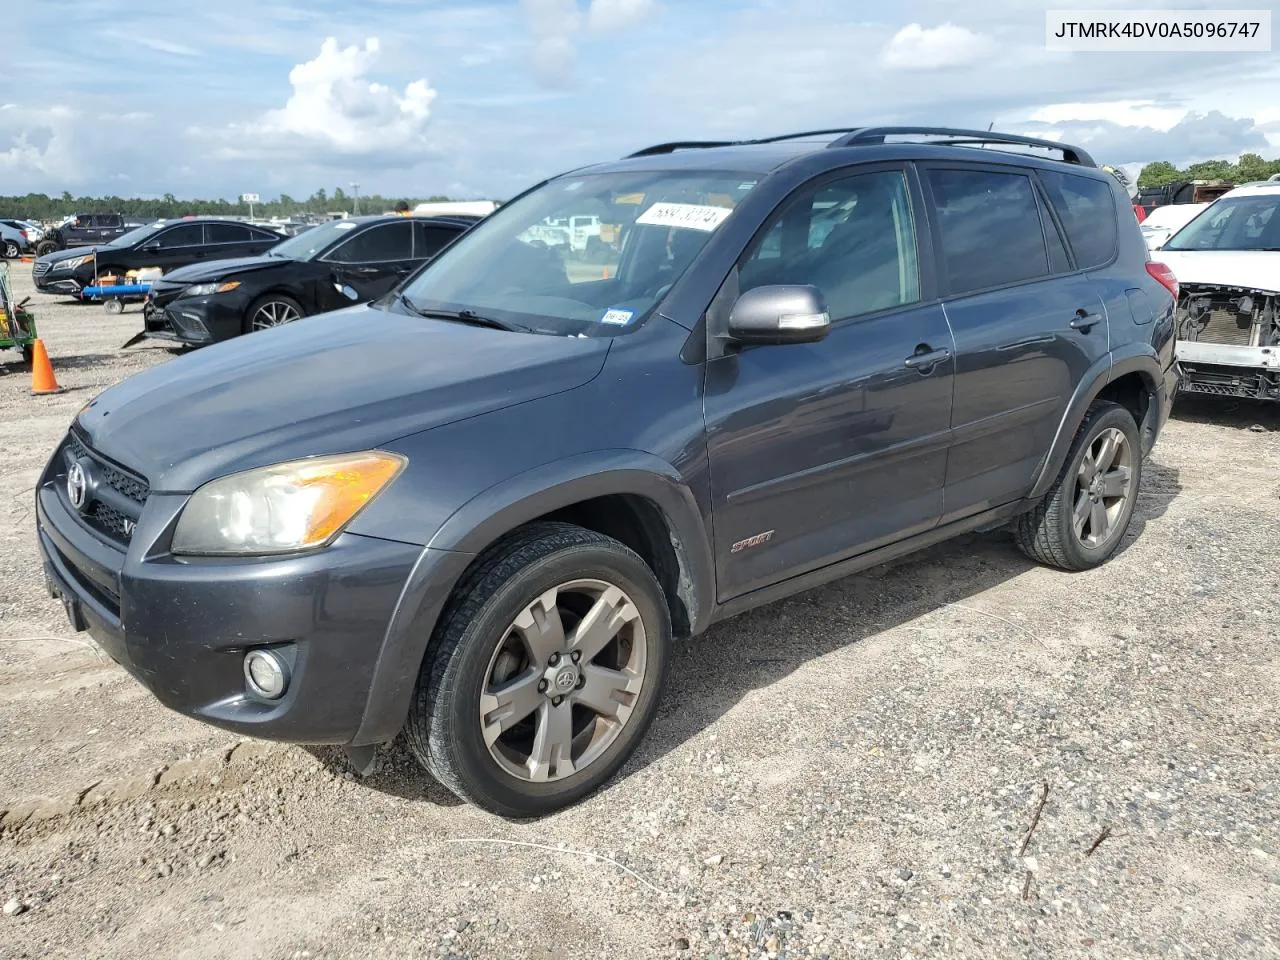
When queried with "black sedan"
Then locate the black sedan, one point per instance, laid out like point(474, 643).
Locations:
point(333, 265)
point(166, 245)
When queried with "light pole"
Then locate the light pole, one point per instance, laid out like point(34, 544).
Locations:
point(355, 189)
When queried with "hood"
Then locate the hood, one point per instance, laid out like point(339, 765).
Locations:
point(349, 380)
point(217, 269)
point(1251, 269)
point(69, 254)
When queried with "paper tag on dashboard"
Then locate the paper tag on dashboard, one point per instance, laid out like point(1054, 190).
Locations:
point(692, 216)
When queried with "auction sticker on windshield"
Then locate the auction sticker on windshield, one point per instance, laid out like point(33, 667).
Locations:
point(692, 216)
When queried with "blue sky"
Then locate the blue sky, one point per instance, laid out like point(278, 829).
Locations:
point(480, 98)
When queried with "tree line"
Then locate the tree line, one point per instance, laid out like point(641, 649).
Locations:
point(1249, 167)
point(40, 206)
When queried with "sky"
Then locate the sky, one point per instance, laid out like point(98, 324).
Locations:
point(481, 98)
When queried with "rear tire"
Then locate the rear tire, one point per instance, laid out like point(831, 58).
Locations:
point(520, 708)
point(1082, 520)
point(11, 250)
point(46, 247)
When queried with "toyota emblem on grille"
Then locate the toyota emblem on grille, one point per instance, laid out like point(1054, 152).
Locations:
point(77, 486)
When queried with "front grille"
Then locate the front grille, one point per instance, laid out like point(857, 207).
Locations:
point(41, 268)
point(111, 514)
point(132, 487)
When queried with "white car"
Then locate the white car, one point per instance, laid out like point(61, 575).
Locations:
point(1227, 262)
point(1164, 222)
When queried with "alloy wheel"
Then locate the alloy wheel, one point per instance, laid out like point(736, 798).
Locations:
point(563, 681)
point(11, 251)
point(273, 313)
point(1104, 484)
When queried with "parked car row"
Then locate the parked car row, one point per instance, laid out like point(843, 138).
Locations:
point(480, 510)
point(222, 278)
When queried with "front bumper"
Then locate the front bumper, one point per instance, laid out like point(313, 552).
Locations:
point(181, 626)
point(53, 282)
point(193, 320)
point(1229, 370)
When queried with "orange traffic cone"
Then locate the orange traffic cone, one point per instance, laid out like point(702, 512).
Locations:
point(42, 379)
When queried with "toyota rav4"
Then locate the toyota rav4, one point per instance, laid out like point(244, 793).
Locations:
point(482, 507)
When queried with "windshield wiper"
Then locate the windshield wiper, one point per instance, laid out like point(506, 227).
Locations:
point(469, 317)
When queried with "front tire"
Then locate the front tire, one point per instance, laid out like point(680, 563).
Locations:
point(46, 247)
point(544, 674)
point(271, 310)
point(11, 250)
point(1082, 520)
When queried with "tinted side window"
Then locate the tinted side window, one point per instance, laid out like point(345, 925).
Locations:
point(1088, 213)
point(989, 225)
point(392, 241)
point(429, 240)
point(1059, 262)
point(256, 234)
point(226, 233)
point(188, 235)
point(853, 239)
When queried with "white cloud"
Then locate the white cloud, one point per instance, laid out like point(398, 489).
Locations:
point(934, 48)
point(605, 15)
point(556, 25)
point(1129, 113)
point(336, 108)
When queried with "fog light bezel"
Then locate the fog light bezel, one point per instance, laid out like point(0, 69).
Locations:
point(277, 662)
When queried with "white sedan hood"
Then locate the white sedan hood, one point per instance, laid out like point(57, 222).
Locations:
point(1252, 269)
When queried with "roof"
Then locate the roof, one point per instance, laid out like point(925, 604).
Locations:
point(1263, 187)
point(872, 143)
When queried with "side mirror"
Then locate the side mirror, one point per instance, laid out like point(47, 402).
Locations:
point(779, 314)
point(149, 247)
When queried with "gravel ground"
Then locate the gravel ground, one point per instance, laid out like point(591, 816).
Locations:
point(848, 773)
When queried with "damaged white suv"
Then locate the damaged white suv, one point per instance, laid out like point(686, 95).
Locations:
point(1227, 261)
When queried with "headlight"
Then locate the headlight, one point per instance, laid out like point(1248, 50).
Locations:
point(207, 289)
point(282, 508)
point(73, 262)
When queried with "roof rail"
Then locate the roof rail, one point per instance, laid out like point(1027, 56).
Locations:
point(672, 147)
point(959, 137)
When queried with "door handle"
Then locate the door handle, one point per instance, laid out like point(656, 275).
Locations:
point(1085, 321)
point(925, 357)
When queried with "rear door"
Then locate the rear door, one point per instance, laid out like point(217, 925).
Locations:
point(1027, 327)
point(430, 238)
point(822, 451)
point(374, 260)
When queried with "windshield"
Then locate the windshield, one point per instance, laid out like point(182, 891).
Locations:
point(1233, 223)
point(306, 245)
point(587, 255)
point(135, 236)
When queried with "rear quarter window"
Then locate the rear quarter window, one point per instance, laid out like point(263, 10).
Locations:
point(1087, 209)
point(989, 227)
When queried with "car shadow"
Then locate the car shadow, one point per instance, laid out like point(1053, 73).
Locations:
point(1234, 413)
point(710, 674)
point(78, 361)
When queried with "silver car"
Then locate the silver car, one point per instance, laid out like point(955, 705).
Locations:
point(13, 240)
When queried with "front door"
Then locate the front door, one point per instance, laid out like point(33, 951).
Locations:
point(1027, 327)
point(176, 247)
point(373, 261)
point(822, 451)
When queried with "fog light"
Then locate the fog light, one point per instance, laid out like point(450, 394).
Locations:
point(266, 673)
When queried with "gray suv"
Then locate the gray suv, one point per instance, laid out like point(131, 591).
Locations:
point(481, 508)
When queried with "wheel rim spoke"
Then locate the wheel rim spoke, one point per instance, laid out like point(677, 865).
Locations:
point(607, 616)
point(610, 693)
point(1098, 522)
point(555, 701)
point(1081, 514)
point(552, 754)
point(1116, 483)
point(1088, 469)
point(1108, 447)
point(506, 705)
point(541, 628)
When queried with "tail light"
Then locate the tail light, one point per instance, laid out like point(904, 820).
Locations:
point(24, 235)
point(1162, 275)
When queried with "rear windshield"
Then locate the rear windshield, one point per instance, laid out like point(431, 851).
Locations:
point(587, 255)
